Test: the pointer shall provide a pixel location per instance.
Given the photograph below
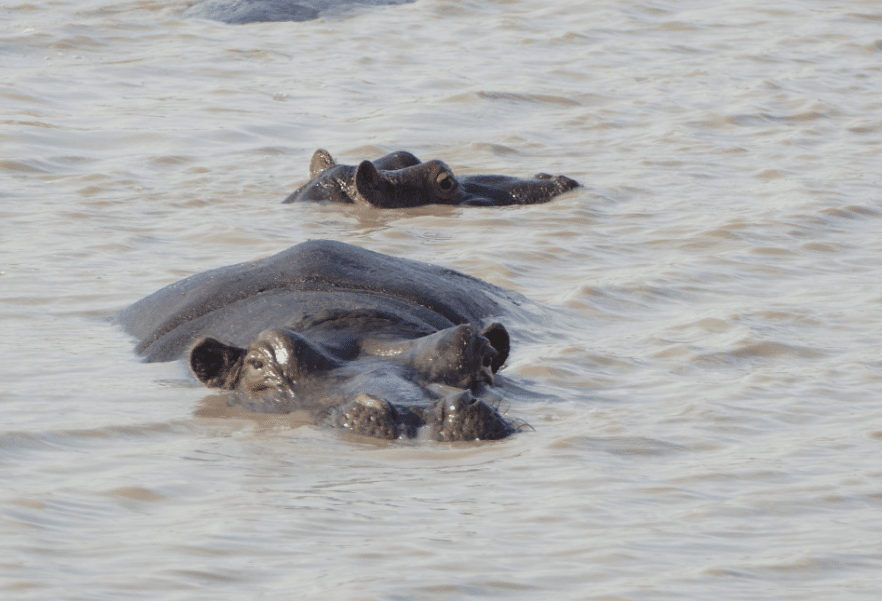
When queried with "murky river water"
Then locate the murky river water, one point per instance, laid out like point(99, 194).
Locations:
point(706, 383)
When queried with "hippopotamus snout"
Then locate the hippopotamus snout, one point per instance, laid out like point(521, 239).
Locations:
point(464, 417)
point(457, 417)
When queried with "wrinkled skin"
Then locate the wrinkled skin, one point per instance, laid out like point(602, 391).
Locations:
point(378, 345)
point(401, 180)
point(254, 11)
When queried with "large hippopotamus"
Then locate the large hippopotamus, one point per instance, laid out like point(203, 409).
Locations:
point(379, 345)
point(400, 180)
point(253, 11)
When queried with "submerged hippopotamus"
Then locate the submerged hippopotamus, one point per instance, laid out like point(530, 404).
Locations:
point(382, 346)
point(254, 11)
point(400, 180)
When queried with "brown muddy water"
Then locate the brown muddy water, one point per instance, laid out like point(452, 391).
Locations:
point(704, 380)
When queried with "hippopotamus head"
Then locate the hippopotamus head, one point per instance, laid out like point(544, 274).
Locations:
point(380, 345)
point(375, 387)
point(400, 180)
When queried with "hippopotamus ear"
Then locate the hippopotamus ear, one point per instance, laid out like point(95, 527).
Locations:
point(216, 364)
point(498, 337)
point(321, 160)
point(368, 185)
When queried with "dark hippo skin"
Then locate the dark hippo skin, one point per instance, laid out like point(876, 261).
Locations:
point(401, 180)
point(253, 11)
point(381, 346)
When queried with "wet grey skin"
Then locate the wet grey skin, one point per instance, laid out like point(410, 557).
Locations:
point(240, 12)
point(378, 345)
point(401, 180)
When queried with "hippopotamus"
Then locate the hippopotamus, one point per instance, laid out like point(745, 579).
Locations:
point(400, 180)
point(253, 11)
point(381, 346)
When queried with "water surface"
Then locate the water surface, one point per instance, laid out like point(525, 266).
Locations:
point(705, 383)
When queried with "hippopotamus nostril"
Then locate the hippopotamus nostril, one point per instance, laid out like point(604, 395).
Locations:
point(369, 416)
point(465, 417)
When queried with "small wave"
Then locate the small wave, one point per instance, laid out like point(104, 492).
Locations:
point(760, 351)
point(22, 167)
point(537, 99)
point(16, 443)
point(851, 212)
point(621, 445)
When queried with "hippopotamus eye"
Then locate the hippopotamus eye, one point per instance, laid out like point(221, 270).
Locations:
point(255, 363)
point(444, 181)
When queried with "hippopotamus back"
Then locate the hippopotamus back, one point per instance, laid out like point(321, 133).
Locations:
point(253, 11)
point(308, 281)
